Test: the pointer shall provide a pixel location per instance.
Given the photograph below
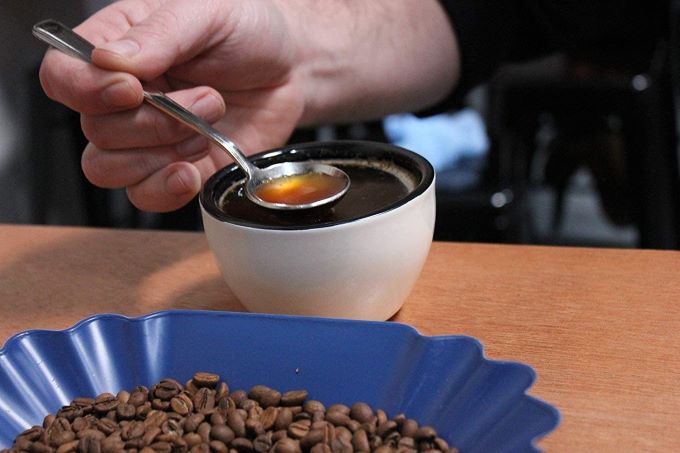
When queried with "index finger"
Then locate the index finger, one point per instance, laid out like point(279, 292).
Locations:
point(85, 87)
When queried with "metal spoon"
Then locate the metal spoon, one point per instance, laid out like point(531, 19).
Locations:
point(66, 40)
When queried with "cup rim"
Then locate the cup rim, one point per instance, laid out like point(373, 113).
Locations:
point(214, 187)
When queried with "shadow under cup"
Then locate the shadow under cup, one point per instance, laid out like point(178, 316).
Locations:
point(358, 259)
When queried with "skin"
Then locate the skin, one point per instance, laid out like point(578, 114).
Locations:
point(255, 69)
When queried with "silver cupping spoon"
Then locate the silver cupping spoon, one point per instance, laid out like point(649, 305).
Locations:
point(66, 40)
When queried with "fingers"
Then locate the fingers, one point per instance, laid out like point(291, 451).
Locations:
point(172, 34)
point(167, 189)
point(148, 127)
point(86, 88)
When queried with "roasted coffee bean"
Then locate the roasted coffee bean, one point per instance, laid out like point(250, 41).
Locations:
point(182, 404)
point(167, 389)
point(337, 418)
point(93, 433)
point(360, 441)
point(311, 406)
point(254, 427)
point(138, 397)
point(265, 396)
point(209, 380)
point(247, 404)
point(242, 445)
point(302, 416)
point(381, 416)
point(192, 422)
point(287, 445)
point(321, 448)
point(68, 447)
point(125, 411)
point(147, 450)
point(123, 397)
point(222, 391)
point(406, 444)
point(353, 425)
point(388, 427)
point(409, 428)
point(312, 438)
point(342, 408)
point(268, 417)
point(201, 448)
point(150, 434)
point(192, 439)
point(216, 418)
point(39, 447)
point(278, 435)
point(283, 419)
point(425, 433)
point(441, 444)
point(70, 412)
point(204, 400)
point(361, 412)
point(236, 422)
point(32, 434)
point(47, 421)
point(143, 411)
point(384, 449)
point(107, 426)
point(299, 429)
point(263, 443)
point(218, 447)
point(89, 445)
point(22, 444)
point(238, 396)
point(204, 431)
point(341, 445)
point(294, 398)
point(222, 433)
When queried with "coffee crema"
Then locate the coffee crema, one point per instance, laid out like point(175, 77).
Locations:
point(300, 189)
point(374, 186)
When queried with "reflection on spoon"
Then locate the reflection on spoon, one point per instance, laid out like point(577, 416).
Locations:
point(321, 184)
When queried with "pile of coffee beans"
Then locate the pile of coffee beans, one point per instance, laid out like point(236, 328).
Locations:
point(203, 416)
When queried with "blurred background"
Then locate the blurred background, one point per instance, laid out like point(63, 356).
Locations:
point(559, 151)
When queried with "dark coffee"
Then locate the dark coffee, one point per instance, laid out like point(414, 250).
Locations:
point(374, 186)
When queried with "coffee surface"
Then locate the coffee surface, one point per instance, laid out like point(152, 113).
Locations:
point(373, 187)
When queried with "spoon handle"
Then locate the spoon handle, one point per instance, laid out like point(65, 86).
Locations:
point(63, 38)
point(66, 40)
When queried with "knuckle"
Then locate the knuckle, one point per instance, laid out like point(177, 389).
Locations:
point(94, 167)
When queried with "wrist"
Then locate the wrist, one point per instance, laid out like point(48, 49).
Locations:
point(359, 60)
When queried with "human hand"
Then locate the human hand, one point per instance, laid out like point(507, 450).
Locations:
point(254, 69)
point(228, 62)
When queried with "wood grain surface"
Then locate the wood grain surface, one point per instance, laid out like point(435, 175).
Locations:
point(601, 327)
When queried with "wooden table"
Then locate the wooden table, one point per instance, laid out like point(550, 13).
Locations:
point(601, 327)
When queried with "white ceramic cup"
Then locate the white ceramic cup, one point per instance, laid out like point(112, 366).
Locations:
point(360, 268)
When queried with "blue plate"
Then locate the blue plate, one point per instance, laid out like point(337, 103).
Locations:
point(476, 404)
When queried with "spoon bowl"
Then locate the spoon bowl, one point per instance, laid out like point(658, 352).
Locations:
point(66, 40)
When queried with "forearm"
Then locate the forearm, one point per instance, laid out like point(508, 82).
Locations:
point(359, 59)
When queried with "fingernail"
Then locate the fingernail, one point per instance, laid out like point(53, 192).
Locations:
point(124, 48)
point(119, 94)
point(192, 146)
point(179, 182)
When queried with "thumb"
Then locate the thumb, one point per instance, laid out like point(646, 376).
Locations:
point(161, 40)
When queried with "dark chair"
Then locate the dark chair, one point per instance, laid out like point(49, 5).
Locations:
point(641, 185)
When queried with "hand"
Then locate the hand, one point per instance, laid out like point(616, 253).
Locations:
point(194, 52)
point(255, 69)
